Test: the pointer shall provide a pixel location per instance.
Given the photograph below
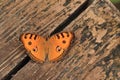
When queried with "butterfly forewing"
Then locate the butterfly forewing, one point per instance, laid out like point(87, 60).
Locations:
point(35, 45)
point(58, 43)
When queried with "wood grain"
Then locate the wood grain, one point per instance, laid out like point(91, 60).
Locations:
point(94, 54)
point(35, 16)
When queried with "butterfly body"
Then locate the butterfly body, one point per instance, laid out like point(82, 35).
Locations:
point(53, 47)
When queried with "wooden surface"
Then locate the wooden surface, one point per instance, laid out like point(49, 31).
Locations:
point(37, 16)
point(94, 54)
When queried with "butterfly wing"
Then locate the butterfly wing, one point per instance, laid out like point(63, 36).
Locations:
point(35, 45)
point(58, 43)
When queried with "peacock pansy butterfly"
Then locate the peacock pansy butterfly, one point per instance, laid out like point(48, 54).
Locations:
point(53, 48)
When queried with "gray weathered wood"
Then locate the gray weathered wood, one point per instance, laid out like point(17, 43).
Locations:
point(95, 53)
point(35, 16)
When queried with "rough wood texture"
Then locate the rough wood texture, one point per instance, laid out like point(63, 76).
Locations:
point(19, 16)
point(95, 53)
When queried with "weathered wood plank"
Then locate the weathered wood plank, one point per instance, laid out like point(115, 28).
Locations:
point(94, 55)
point(19, 16)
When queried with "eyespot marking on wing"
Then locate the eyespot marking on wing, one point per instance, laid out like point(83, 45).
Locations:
point(35, 49)
point(63, 41)
point(58, 48)
point(29, 43)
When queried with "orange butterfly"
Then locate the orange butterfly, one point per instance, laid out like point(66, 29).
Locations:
point(52, 48)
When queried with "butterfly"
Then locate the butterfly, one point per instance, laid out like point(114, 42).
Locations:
point(52, 48)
